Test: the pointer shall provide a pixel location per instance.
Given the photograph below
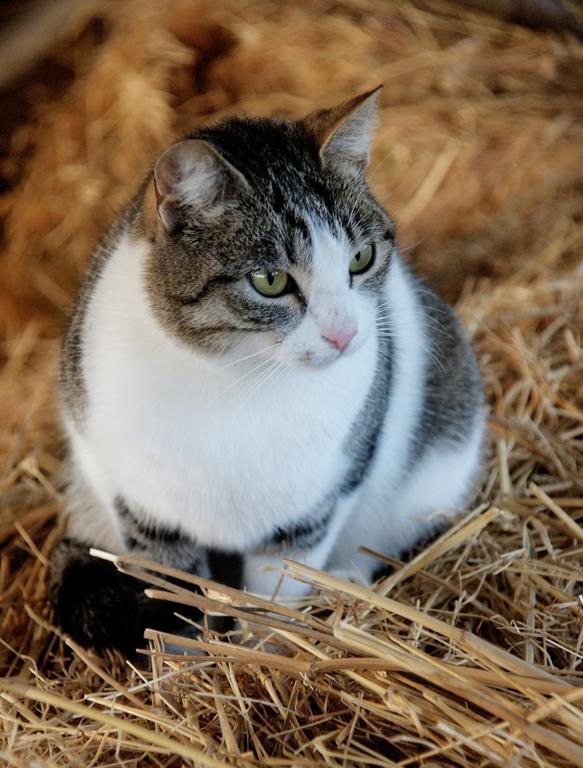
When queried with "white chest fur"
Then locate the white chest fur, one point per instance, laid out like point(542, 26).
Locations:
point(200, 446)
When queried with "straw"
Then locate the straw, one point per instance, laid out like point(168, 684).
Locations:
point(468, 651)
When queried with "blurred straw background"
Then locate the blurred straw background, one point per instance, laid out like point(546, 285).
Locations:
point(469, 654)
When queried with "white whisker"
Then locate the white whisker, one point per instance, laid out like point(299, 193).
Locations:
point(262, 378)
point(249, 373)
point(248, 357)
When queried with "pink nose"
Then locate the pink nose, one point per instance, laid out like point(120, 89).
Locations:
point(340, 339)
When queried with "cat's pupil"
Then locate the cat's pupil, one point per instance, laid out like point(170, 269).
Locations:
point(270, 277)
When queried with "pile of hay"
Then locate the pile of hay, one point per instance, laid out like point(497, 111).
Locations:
point(471, 653)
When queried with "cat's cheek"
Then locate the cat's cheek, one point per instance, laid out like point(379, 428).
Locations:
point(251, 346)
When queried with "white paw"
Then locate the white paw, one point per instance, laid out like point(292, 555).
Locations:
point(179, 650)
point(352, 575)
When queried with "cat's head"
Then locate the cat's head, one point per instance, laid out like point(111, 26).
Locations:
point(265, 235)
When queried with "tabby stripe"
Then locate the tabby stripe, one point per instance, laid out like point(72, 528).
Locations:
point(206, 289)
point(146, 532)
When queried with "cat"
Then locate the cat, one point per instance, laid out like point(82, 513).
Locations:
point(252, 372)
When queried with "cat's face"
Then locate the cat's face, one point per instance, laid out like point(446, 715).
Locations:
point(268, 238)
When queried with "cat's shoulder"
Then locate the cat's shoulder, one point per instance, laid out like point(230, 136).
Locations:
point(72, 384)
point(452, 392)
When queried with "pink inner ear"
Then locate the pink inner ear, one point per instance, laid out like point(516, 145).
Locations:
point(193, 173)
point(166, 173)
point(159, 195)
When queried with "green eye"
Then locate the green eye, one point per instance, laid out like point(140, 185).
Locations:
point(272, 283)
point(362, 260)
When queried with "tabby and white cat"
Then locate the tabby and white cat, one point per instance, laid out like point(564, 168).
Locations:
point(251, 373)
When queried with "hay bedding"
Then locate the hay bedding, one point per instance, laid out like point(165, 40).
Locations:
point(470, 654)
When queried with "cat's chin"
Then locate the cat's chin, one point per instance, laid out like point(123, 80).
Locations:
point(317, 363)
point(312, 360)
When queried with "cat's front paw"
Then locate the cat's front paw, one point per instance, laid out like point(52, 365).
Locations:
point(352, 575)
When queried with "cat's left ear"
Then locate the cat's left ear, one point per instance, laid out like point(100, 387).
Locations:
point(344, 133)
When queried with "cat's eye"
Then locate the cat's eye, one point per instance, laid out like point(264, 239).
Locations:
point(271, 283)
point(362, 261)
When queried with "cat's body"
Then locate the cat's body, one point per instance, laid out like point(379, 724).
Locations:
point(343, 411)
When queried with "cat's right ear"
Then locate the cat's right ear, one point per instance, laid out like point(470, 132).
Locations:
point(344, 133)
point(191, 176)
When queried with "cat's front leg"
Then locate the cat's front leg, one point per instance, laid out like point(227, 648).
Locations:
point(169, 546)
point(264, 573)
point(309, 541)
point(103, 608)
